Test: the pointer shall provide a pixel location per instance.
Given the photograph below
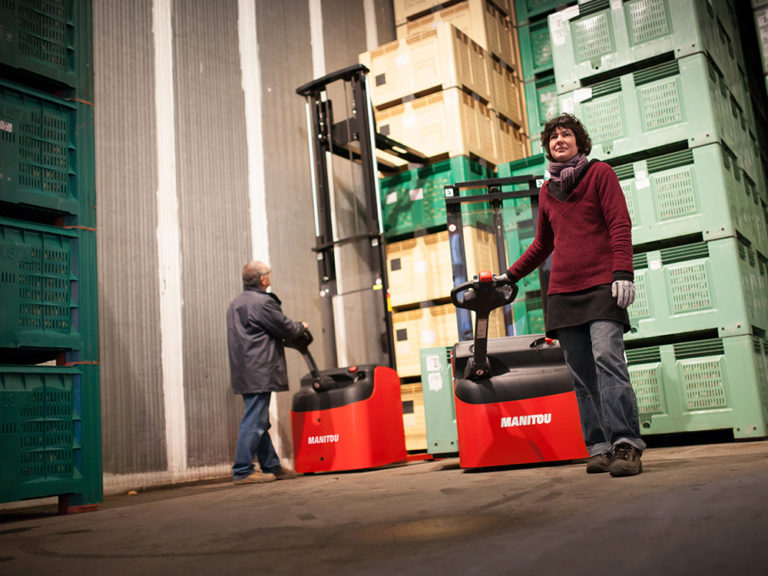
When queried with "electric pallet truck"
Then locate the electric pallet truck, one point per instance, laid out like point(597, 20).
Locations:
point(514, 396)
point(346, 418)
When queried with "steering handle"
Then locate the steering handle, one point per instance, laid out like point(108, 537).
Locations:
point(484, 293)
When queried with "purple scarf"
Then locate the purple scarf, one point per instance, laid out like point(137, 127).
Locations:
point(566, 173)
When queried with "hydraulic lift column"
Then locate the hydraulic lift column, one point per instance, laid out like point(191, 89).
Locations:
point(356, 140)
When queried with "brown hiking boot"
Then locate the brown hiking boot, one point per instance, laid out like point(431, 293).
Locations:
point(625, 461)
point(286, 474)
point(255, 478)
point(598, 463)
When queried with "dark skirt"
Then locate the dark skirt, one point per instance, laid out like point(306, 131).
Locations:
point(578, 308)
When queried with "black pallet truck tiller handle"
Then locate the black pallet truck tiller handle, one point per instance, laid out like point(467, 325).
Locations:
point(482, 294)
point(301, 343)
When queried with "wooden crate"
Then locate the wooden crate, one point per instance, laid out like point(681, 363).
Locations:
point(450, 122)
point(507, 93)
point(481, 20)
point(511, 141)
point(422, 328)
point(408, 9)
point(414, 417)
point(428, 328)
point(438, 58)
point(419, 269)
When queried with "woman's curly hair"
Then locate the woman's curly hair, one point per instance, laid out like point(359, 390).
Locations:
point(569, 121)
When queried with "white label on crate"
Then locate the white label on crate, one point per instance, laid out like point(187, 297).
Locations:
point(582, 94)
point(616, 4)
point(433, 363)
point(392, 198)
point(557, 33)
point(642, 180)
point(435, 381)
point(558, 23)
point(417, 194)
point(568, 105)
point(420, 267)
point(402, 60)
point(409, 121)
point(428, 336)
point(569, 13)
point(654, 264)
point(6, 126)
point(761, 16)
point(409, 420)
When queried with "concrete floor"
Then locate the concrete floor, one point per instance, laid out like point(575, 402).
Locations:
point(696, 509)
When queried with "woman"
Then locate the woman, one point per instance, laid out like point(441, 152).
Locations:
point(584, 223)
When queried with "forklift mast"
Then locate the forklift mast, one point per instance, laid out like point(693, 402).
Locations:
point(355, 139)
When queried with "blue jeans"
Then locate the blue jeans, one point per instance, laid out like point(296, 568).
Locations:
point(607, 403)
point(253, 438)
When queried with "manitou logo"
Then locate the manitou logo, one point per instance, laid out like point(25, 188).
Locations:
point(529, 420)
point(328, 439)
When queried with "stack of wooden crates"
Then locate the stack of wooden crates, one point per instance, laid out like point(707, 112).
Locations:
point(450, 87)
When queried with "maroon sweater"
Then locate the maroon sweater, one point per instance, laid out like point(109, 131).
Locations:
point(589, 232)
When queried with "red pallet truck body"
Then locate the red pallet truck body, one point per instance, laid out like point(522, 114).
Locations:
point(514, 396)
point(346, 418)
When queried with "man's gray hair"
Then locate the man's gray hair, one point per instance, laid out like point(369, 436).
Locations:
point(253, 272)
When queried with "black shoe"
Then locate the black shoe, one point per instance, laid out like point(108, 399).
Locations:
point(625, 461)
point(598, 463)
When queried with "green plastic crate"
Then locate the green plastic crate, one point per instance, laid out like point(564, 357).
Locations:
point(600, 36)
point(680, 100)
point(528, 314)
point(39, 444)
point(695, 190)
point(439, 407)
point(41, 37)
point(517, 215)
point(714, 384)
point(542, 104)
point(415, 199)
point(38, 286)
point(536, 165)
point(525, 10)
point(535, 50)
point(696, 287)
point(37, 150)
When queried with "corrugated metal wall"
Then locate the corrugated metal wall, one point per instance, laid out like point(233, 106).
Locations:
point(234, 172)
point(286, 63)
point(126, 184)
point(212, 179)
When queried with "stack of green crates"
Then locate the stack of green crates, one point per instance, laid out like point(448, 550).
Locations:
point(536, 63)
point(660, 86)
point(50, 439)
point(414, 200)
point(519, 232)
point(698, 385)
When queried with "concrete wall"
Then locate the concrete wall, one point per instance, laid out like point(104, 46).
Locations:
point(201, 165)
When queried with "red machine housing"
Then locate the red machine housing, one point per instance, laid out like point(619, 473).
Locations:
point(524, 412)
point(355, 424)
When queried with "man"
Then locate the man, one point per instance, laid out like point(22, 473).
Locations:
point(256, 327)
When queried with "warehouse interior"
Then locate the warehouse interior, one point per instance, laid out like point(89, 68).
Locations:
point(152, 148)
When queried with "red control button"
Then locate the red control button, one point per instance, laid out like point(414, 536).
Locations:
point(352, 369)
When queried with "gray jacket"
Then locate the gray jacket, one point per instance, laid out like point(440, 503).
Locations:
point(256, 327)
